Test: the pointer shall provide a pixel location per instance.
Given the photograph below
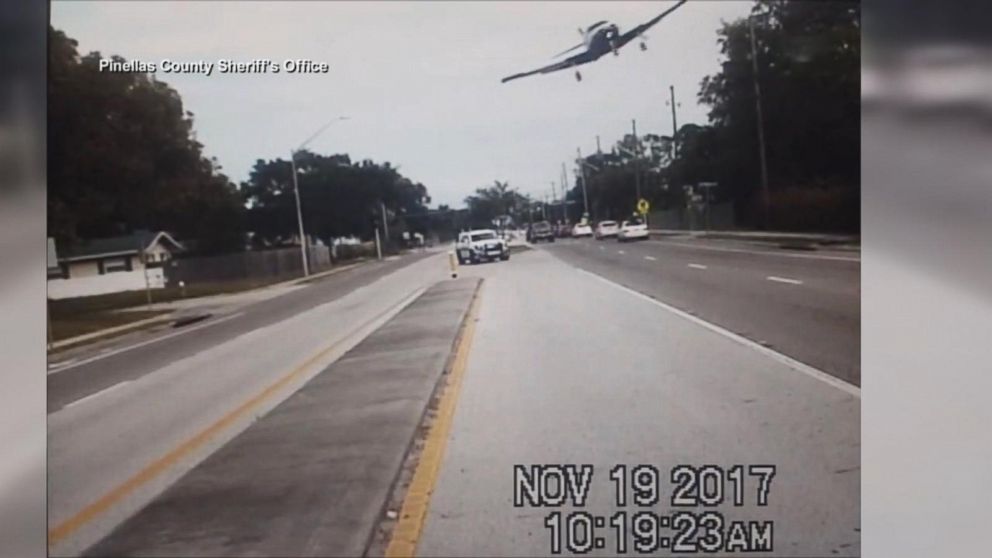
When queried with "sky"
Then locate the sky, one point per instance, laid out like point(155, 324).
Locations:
point(420, 82)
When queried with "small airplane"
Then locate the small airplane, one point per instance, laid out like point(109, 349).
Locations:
point(598, 39)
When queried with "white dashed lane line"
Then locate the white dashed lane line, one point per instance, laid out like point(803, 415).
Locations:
point(111, 352)
point(98, 394)
point(784, 280)
point(650, 258)
point(620, 252)
point(698, 266)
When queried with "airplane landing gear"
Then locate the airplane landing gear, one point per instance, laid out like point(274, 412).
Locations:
point(578, 76)
point(644, 46)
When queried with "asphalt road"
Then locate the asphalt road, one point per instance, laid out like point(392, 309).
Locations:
point(154, 412)
point(569, 368)
point(585, 353)
point(167, 345)
point(806, 305)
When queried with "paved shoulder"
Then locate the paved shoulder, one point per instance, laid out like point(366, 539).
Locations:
point(311, 477)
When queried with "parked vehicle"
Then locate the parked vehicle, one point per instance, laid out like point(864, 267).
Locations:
point(481, 245)
point(606, 229)
point(563, 230)
point(540, 231)
point(634, 229)
point(581, 230)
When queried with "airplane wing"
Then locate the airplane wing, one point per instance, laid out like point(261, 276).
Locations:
point(580, 45)
point(577, 60)
point(635, 32)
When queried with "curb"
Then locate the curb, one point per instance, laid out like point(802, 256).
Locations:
point(109, 331)
point(762, 236)
point(168, 317)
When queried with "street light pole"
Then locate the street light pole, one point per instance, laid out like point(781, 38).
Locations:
point(385, 225)
point(299, 218)
point(296, 192)
point(765, 195)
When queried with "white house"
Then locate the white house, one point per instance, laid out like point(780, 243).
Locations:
point(107, 265)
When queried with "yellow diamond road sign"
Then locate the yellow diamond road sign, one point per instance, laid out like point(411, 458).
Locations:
point(643, 206)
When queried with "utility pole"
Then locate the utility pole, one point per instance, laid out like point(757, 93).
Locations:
point(564, 192)
point(675, 125)
point(554, 196)
point(385, 225)
point(637, 160)
point(765, 195)
point(143, 259)
point(598, 149)
point(582, 170)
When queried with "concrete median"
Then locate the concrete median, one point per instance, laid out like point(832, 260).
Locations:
point(311, 476)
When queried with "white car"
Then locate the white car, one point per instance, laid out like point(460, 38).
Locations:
point(481, 245)
point(634, 229)
point(581, 229)
point(606, 229)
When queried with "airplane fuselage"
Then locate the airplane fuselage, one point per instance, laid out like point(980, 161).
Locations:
point(600, 40)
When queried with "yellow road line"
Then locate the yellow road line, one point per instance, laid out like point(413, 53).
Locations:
point(163, 463)
point(413, 512)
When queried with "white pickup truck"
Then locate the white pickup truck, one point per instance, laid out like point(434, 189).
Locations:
point(481, 245)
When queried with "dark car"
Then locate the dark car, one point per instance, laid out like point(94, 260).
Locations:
point(539, 231)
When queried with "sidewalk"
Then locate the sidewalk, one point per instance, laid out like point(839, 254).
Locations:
point(252, 295)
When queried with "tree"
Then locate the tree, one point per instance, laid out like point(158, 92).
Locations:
point(338, 197)
point(808, 57)
point(490, 202)
point(122, 156)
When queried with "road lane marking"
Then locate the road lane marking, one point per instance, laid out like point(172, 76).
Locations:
point(413, 512)
point(650, 258)
point(762, 252)
point(111, 353)
point(184, 449)
point(796, 365)
point(784, 280)
point(698, 266)
point(97, 394)
point(602, 248)
point(620, 251)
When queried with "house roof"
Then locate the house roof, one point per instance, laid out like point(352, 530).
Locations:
point(119, 245)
